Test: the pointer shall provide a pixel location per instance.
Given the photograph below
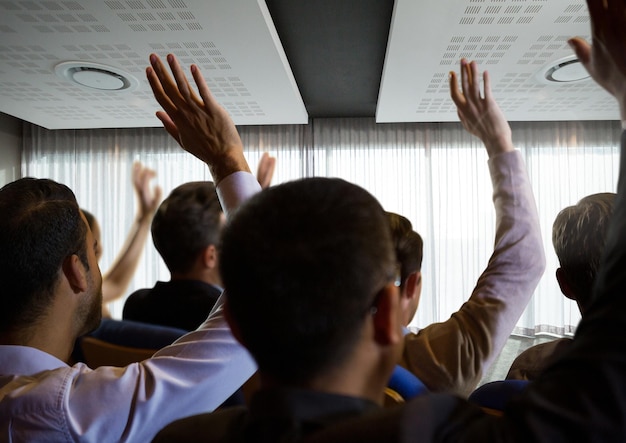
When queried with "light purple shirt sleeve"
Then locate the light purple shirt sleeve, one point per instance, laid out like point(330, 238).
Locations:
point(236, 188)
point(43, 399)
point(451, 356)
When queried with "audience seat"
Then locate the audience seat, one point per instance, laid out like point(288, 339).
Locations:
point(406, 384)
point(98, 353)
point(493, 396)
point(122, 342)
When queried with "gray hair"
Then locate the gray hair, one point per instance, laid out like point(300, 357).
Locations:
point(578, 235)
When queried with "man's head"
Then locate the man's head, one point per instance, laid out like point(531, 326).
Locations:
point(306, 264)
point(41, 229)
point(579, 235)
point(409, 247)
point(187, 222)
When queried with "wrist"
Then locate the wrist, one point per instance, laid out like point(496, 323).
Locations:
point(497, 146)
point(144, 218)
point(231, 162)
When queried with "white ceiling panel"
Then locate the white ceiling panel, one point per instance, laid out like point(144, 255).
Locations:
point(234, 43)
point(515, 40)
point(337, 50)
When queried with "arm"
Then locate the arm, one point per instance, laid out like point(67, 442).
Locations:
point(201, 369)
point(119, 275)
point(194, 375)
point(451, 356)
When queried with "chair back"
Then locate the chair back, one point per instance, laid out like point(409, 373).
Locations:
point(98, 353)
point(405, 384)
point(121, 342)
point(494, 395)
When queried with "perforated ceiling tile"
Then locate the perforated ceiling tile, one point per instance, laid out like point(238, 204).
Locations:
point(236, 46)
point(36, 36)
point(512, 39)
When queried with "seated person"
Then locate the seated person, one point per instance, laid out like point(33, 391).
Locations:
point(319, 308)
point(52, 294)
point(185, 231)
point(578, 234)
point(322, 278)
point(453, 355)
point(116, 279)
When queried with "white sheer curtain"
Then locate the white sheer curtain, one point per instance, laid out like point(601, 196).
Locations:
point(434, 174)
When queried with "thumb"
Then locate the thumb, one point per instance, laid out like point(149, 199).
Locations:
point(582, 49)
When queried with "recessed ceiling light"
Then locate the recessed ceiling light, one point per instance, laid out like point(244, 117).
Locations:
point(96, 76)
point(565, 70)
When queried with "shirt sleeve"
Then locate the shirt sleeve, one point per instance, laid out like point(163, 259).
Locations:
point(193, 375)
point(451, 356)
point(235, 189)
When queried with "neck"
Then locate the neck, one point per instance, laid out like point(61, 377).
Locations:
point(362, 376)
point(45, 335)
point(210, 276)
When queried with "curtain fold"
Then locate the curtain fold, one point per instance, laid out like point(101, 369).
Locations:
point(435, 174)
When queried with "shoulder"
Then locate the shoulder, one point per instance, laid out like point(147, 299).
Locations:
point(139, 295)
point(533, 360)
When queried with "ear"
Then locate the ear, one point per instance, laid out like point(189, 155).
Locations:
point(75, 273)
point(411, 288)
point(209, 257)
point(410, 295)
point(566, 289)
point(234, 327)
point(387, 317)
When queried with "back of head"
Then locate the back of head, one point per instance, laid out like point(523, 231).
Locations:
point(91, 219)
point(579, 235)
point(408, 245)
point(302, 263)
point(40, 226)
point(187, 221)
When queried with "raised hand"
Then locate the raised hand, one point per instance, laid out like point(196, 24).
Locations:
point(148, 197)
point(480, 114)
point(265, 170)
point(605, 58)
point(199, 124)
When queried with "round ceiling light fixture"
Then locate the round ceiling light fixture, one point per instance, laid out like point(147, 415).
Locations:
point(565, 70)
point(96, 76)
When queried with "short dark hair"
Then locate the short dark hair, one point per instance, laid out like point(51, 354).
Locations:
point(407, 243)
point(40, 227)
point(187, 221)
point(302, 263)
point(579, 234)
point(91, 219)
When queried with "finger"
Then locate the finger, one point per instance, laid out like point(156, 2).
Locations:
point(168, 85)
point(487, 86)
point(169, 126)
point(475, 81)
point(157, 89)
point(204, 91)
point(455, 92)
point(184, 89)
point(465, 79)
point(582, 49)
point(135, 172)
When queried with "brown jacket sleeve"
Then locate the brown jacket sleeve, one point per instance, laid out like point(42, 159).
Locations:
point(452, 356)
